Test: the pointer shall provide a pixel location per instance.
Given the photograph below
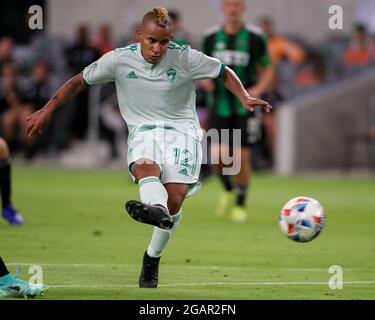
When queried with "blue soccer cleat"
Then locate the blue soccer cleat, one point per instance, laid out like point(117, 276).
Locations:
point(11, 215)
point(12, 287)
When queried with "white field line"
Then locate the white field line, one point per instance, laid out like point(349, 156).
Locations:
point(109, 265)
point(103, 286)
point(216, 284)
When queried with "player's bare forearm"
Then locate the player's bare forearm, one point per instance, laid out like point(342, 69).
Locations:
point(39, 119)
point(266, 75)
point(66, 92)
point(234, 85)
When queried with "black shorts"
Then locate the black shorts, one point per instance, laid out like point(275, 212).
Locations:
point(250, 129)
point(275, 99)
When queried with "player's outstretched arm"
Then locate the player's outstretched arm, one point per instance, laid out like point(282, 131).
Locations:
point(38, 120)
point(234, 85)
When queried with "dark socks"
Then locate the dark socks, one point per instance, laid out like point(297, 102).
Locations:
point(226, 182)
point(3, 269)
point(5, 172)
point(241, 191)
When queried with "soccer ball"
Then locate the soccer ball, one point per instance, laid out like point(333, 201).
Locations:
point(302, 219)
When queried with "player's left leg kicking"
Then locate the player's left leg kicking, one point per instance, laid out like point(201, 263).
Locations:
point(163, 188)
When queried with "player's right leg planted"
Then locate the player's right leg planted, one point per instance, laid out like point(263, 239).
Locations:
point(150, 267)
point(160, 237)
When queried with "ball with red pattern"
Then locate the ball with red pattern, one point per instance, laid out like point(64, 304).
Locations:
point(302, 219)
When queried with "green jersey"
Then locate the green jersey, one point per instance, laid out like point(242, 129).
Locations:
point(242, 52)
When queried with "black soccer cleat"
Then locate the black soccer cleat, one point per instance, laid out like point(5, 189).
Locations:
point(155, 215)
point(150, 271)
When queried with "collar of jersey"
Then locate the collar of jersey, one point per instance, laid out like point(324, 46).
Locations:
point(234, 34)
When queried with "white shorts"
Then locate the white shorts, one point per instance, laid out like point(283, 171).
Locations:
point(178, 155)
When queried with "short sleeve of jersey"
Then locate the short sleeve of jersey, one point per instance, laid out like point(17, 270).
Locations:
point(201, 66)
point(101, 70)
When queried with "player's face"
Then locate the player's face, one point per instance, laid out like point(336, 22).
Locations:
point(233, 10)
point(266, 27)
point(154, 41)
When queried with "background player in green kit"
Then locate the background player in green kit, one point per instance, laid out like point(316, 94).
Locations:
point(244, 49)
point(155, 85)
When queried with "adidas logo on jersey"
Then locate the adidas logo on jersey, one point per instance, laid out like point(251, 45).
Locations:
point(132, 75)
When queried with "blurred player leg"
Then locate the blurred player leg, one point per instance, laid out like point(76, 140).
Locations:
point(226, 199)
point(8, 212)
point(238, 212)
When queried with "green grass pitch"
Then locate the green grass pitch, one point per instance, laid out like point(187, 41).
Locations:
point(76, 228)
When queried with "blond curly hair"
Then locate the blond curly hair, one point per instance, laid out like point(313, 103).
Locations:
point(159, 15)
point(162, 17)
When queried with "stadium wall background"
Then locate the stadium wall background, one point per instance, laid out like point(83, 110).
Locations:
point(328, 129)
point(303, 18)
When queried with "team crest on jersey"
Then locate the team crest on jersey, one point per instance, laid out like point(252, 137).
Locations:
point(171, 74)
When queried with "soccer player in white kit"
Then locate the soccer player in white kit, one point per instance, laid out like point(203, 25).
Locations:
point(155, 84)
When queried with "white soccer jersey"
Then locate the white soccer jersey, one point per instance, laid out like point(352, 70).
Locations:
point(152, 94)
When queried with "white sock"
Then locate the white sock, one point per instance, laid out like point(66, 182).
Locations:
point(160, 237)
point(152, 191)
